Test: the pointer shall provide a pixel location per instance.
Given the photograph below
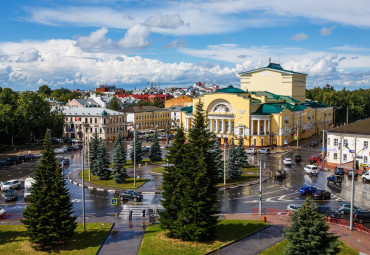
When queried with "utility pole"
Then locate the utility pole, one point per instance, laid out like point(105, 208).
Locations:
point(260, 199)
point(353, 187)
point(83, 190)
point(347, 115)
point(297, 132)
point(224, 162)
point(135, 155)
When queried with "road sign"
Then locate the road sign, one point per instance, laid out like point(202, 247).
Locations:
point(295, 137)
point(285, 142)
point(323, 149)
point(352, 151)
point(114, 201)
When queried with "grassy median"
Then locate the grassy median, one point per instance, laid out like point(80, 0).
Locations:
point(14, 241)
point(156, 242)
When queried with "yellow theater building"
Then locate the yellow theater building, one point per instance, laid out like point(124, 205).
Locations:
point(259, 116)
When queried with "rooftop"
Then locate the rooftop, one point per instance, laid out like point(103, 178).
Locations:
point(360, 127)
point(137, 109)
point(230, 89)
point(94, 111)
point(274, 67)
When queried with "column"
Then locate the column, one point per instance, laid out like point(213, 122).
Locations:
point(251, 128)
point(186, 124)
point(268, 126)
point(210, 125)
point(222, 126)
point(216, 131)
point(264, 126)
point(229, 129)
point(258, 127)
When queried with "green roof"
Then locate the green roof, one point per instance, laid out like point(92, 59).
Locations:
point(267, 109)
point(188, 109)
point(274, 97)
point(231, 90)
point(272, 66)
point(314, 104)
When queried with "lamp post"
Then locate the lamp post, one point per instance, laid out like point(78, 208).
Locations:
point(299, 118)
point(134, 155)
point(83, 189)
point(260, 193)
point(224, 161)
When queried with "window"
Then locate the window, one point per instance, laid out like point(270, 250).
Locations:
point(328, 141)
point(345, 142)
point(365, 159)
point(335, 142)
point(335, 155)
point(366, 144)
point(345, 157)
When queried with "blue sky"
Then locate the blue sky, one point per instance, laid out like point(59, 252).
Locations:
point(81, 44)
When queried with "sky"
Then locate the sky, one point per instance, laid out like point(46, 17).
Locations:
point(82, 44)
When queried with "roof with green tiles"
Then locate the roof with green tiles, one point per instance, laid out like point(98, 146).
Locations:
point(314, 104)
point(273, 67)
point(273, 97)
point(231, 90)
point(267, 109)
point(188, 109)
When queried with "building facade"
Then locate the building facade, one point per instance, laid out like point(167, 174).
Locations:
point(182, 101)
point(347, 143)
point(82, 123)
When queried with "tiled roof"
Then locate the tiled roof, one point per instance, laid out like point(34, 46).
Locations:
point(230, 89)
point(188, 109)
point(274, 67)
point(137, 109)
point(93, 111)
point(314, 104)
point(360, 127)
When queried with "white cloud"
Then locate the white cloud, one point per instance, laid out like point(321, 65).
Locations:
point(95, 40)
point(175, 44)
point(165, 21)
point(29, 55)
point(326, 30)
point(135, 37)
point(299, 37)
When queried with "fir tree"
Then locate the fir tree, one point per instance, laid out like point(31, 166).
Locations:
point(119, 160)
point(93, 152)
point(139, 153)
point(48, 219)
point(101, 163)
point(308, 233)
point(199, 177)
point(155, 149)
point(217, 153)
point(172, 190)
point(233, 168)
point(241, 155)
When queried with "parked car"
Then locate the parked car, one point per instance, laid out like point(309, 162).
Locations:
point(29, 157)
point(293, 207)
point(335, 179)
point(130, 194)
point(297, 158)
point(69, 148)
point(332, 214)
point(28, 182)
point(339, 171)
point(366, 176)
point(10, 195)
point(64, 161)
point(314, 159)
point(361, 216)
point(352, 172)
point(2, 162)
point(321, 194)
point(311, 170)
point(38, 155)
point(145, 149)
point(58, 151)
point(21, 158)
point(264, 151)
point(2, 212)
point(314, 143)
point(323, 209)
point(251, 151)
point(307, 190)
point(12, 184)
point(279, 174)
point(287, 161)
point(80, 146)
point(11, 160)
point(345, 207)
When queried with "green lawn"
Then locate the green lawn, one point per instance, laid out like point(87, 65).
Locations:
point(278, 249)
point(129, 184)
point(242, 179)
point(14, 241)
point(159, 170)
point(156, 242)
point(251, 169)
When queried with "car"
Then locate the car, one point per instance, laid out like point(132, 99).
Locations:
point(321, 194)
point(38, 155)
point(29, 157)
point(64, 149)
point(58, 151)
point(366, 176)
point(10, 195)
point(323, 209)
point(2, 212)
point(345, 207)
point(251, 151)
point(335, 179)
point(80, 146)
point(21, 158)
point(130, 194)
point(298, 158)
point(12, 184)
point(314, 143)
point(1, 184)
point(69, 148)
point(307, 190)
point(264, 151)
point(145, 149)
point(339, 171)
point(279, 174)
point(361, 216)
point(64, 161)
point(12, 160)
point(293, 207)
point(332, 214)
point(76, 141)
point(352, 172)
point(314, 159)
point(2, 162)
point(287, 161)
point(311, 170)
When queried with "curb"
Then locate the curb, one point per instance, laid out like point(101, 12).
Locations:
point(106, 236)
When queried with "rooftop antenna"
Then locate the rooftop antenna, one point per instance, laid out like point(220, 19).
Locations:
point(279, 58)
point(270, 60)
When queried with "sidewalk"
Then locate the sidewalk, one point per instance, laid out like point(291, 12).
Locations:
point(355, 239)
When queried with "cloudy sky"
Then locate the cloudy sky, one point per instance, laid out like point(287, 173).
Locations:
point(84, 43)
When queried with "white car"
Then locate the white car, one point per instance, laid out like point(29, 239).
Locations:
point(57, 151)
point(287, 161)
point(12, 184)
point(2, 212)
point(311, 170)
point(293, 207)
point(38, 155)
point(251, 151)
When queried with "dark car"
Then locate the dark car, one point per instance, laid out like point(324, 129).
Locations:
point(130, 194)
point(323, 209)
point(361, 216)
point(11, 160)
point(10, 195)
point(69, 148)
point(2, 162)
point(80, 146)
point(21, 158)
point(345, 207)
point(335, 179)
point(297, 158)
point(29, 157)
point(321, 194)
point(307, 190)
point(64, 161)
point(332, 214)
point(350, 173)
point(279, 174)
point(314, 143)
point(339, 171)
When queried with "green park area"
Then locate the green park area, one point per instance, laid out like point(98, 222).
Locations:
point(156, 242)
point(13, 240)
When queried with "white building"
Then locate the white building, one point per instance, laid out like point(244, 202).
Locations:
point(349, 142)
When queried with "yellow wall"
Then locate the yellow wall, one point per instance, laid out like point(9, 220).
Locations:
point(151, 120)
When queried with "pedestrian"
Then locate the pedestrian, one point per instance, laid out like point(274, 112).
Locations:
point(130, 215)
point(29, 152)
point(143, 213)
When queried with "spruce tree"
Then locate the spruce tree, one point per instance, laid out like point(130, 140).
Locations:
point(241, 154)
point(48, 219)
point(93, 152)
point(139, 149)
point(233, 168)
point(172, 190)
point(101, 163)
point(308, 233)
point(155, 150)
point(119, 160)
point(217, 153)
point(199, 177)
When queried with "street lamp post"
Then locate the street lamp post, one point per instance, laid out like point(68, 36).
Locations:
point(260, 197)
point(299, 118)
point(83, 189)
point(224, 162)
point(134, 155)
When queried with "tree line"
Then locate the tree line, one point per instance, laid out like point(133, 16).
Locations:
point(357, 101)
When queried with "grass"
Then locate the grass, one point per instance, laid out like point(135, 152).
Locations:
point(129, 184)
point(279, 248)
point(156, 242)
point(159, 170)
point(14, 241)
point(242, 179)
point(251, 169)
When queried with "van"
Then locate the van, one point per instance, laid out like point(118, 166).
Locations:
point(311, 170)
point(251, 151)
